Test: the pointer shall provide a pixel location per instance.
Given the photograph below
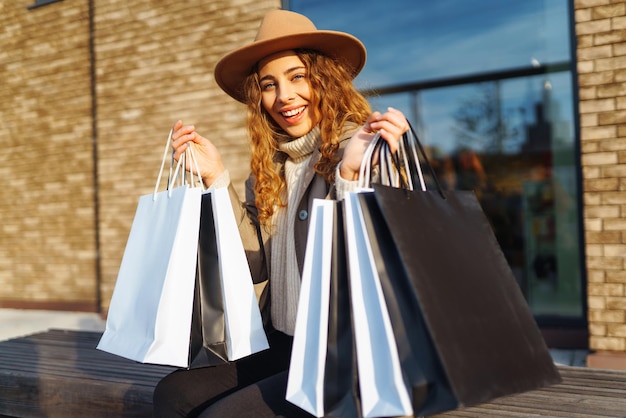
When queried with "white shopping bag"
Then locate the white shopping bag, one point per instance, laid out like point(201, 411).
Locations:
point(381, 384)
point(243, 325)
point(149, 318)
point(305, 385)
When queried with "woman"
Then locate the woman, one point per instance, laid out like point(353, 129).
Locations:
point(308, 128)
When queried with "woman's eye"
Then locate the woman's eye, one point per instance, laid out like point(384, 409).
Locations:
point(299, 76)
point(267, 86)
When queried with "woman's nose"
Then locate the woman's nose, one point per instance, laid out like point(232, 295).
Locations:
point(285, 94)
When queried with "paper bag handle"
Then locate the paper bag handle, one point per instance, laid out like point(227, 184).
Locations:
point(181, 162)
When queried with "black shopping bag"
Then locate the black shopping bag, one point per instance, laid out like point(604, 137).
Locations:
point(226, 322)
point(208, 338)
point(477, 331)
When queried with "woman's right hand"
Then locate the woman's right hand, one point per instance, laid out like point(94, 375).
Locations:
point(208, 157)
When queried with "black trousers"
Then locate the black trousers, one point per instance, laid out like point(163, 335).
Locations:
point(254, 386)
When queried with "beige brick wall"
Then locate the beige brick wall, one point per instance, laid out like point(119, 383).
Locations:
point(601, 51)
point(155, 65)
point(47, 239)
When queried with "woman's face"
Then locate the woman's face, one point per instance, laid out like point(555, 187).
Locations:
point(286, 93)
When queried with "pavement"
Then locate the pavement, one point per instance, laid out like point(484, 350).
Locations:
point(21, 322)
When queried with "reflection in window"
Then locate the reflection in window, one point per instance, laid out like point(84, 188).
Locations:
point(409, 40)
point(512, 143)
point(488, 86)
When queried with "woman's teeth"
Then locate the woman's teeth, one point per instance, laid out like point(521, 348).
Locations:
point(293, 112)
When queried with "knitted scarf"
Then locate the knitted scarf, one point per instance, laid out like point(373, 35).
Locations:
point(285, 274)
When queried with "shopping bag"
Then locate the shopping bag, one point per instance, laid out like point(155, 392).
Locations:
point(464, 332)
point(322, 372)
point(383, 391)
point(425, 378)
point(484, 333)
point(150, 311)
point(227, 322)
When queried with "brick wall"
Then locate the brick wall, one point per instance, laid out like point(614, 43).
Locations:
point(47, 238)
point(153, 65)
point(601, 50)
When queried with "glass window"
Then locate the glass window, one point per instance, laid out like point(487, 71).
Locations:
point(409, 40)
point(508, 135)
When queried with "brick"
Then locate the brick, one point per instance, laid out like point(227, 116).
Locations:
point(588, 93)
point(611, 90)
point(594, 250)
point(603, 237)
point(582, 15)
point(602, 184)
point(590, 147)
point(610, 38)
point(592, 53)
point(617, 144)
point(598, 330)
point(616, 276)
point(616, 303)
point(618, 224)
point(583, 4)
point(606, 343)
point(613, 198)
point(612, 118)
point(596, 302)
point(596, 275)
point(609, 10)
point(585, 41)
point(606, 64)
point(600, 158)
point(595, 106)
point(593, 77)
point(593, 26)
point(618, 22)
point(605, 263)
point(606, 316)
point(616, 330)
point(584, 68)
point(593, 225)
point(615, 250)
point(591, 172)
point(615, 171)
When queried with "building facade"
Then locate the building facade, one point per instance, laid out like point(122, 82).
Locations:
point(89, 90)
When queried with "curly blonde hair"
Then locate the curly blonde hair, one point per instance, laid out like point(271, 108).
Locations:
point(334, 100)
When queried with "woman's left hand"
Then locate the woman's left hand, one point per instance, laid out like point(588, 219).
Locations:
point(391, 125)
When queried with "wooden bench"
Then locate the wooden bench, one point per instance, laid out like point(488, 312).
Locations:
point(60, 374)
point(583, 393)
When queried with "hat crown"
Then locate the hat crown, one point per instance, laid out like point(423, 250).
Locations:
point(279, 23)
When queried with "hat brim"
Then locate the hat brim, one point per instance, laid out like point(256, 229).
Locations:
point(233, 68)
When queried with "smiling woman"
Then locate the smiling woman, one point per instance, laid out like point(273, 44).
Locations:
point(308, 128)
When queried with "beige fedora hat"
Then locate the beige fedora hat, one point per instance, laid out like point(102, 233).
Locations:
point(282, 30)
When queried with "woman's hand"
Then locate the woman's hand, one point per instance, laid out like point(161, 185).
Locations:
point(391, 125)
point(208, 157)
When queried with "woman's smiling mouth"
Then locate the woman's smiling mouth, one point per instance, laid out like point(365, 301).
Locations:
point(289, 114)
